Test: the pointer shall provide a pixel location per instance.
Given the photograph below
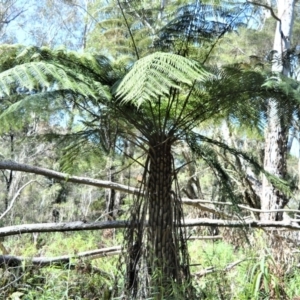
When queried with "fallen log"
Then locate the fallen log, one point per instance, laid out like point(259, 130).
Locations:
point(82, 225)
point(64, 261)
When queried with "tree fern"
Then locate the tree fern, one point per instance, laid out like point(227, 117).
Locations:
point(155, 74)
point(195, 24)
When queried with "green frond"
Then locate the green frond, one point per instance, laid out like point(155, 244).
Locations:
point(96, 67)
point(283, 86)
point(19, 111)
point(155, 74)
point(37, 77)
point(196, 142)
point(78, 148)
point(198, 22)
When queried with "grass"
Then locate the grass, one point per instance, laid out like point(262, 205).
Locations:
point(259, 276)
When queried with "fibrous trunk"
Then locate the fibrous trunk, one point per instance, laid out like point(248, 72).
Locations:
point(156, 243)
point(161, 243)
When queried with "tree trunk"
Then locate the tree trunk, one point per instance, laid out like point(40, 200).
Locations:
point(156, 241)
point(162, 249)
point(277, 130)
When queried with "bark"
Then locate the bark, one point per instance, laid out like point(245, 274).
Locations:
point(277, 130)
point(156, 242)
point(163, 256)
point(110, 194)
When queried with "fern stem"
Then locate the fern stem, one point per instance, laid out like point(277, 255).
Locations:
point(129, 30)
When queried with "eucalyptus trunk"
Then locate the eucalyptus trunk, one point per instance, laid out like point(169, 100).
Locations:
point(277, 130)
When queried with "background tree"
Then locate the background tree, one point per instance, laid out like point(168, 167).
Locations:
point(278, 121)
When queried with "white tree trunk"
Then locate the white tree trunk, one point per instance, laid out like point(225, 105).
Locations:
point(277, 131)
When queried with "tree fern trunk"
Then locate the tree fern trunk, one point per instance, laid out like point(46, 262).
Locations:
point(162, 249)
point(157, 257)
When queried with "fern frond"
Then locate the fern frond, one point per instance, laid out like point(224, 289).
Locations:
point(19, 111)
point(196, 142)
point(199, 22)
point(37, 77)
point(155, 74)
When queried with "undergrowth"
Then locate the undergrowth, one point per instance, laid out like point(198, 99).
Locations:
point(222, 271)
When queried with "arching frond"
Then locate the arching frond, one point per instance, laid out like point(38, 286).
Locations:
point(38, 77)
point(199, 22)
point(198, 141)
point(29, 71)
point(155, 74)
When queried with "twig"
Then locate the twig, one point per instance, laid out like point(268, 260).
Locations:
point(11, 283)
point(226, 269)
point(15, 198)
point(208, 237)
point(267, 7)
point(270, 210)
point(273, 15)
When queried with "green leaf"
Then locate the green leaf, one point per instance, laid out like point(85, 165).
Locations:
point(154, 76)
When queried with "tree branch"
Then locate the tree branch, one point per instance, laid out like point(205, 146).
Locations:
point(15, 197)
point(80, 226)
point(207, 237)
point(273, 15)
point(198, 203)
point(266, 7)
point(11, 165)
point(11, 260)
point(214, 269)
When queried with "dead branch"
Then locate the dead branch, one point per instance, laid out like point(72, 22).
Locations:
point(198, 203)
point(80, 225)
point(212, 269)
point(214, 237)
point(64, 260)
point(17, 262)
point(243, 223)
point(269, 210)
point(60, 227)
point(11, 165)
point(15, 198)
